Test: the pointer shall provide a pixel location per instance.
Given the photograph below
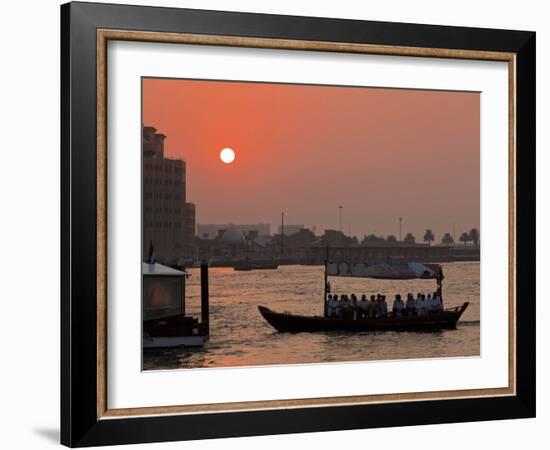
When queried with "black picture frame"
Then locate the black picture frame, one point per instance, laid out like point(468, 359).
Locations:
point(80, 425)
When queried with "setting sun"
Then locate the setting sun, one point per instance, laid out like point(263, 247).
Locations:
point(227, 155)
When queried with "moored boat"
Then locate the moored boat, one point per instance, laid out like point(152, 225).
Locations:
point(165, 322)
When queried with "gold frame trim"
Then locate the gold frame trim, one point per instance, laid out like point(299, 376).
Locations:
point(103, 36)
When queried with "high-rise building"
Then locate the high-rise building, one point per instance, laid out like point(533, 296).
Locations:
point(168, 220)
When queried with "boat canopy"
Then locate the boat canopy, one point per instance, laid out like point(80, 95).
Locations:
point(395, 270)
point(158, 269)
point(163, 291)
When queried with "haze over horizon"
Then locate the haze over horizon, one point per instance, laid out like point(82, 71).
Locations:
point(306, 149)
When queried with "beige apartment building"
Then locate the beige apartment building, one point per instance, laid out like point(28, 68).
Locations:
point(168, 219)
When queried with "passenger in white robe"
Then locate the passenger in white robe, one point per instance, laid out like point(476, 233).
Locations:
point(383, 307)
point(373, 307)
point(420, 305)
point(410, 305)
point(345, 307)
point(353, 307)
point(436, 305)
point(363, 307)
point(398, 306)
point(330, 306)
point(336, 306)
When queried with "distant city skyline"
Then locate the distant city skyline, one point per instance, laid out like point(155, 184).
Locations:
point(419, 236)
point(381, 154)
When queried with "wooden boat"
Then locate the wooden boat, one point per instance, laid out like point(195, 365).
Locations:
point(285, 322)
point(399, 270)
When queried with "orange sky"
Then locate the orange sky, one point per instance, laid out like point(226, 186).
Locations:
point(380, 153)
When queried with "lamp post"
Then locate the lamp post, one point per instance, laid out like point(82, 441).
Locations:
point(340, 214)
point(282, 232)
point(400, 227)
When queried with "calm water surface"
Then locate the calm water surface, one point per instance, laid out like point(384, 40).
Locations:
point(240, 336)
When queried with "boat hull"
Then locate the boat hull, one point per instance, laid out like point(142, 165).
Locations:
point(174, 331)
point(295, 323)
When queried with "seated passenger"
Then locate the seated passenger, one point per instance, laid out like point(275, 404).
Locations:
point(345, 306)
point(329, 305)
point(420, 305)
point(373, 307)
point(429, 303)
point(438, 300)
point(353, 307)
point(398, 306)
point(410, 305)
point(336, 306)
point(436, 305)
point(383, 308)
point(363, 307)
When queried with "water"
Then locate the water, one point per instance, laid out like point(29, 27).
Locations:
point(239, 336)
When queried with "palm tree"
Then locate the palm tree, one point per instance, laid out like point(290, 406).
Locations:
point(409, 238)
point(429, 236)
point(447, 239)
point(372, 238)
point(474, 236)
point(464, 237)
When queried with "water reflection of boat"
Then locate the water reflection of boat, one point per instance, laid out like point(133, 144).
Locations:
point(445, 319)
point(256, 264)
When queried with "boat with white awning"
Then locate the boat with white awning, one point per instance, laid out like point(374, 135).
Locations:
point(393, 270)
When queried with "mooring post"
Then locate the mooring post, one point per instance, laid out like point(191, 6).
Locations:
point(327, 290)
point(205, 312)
